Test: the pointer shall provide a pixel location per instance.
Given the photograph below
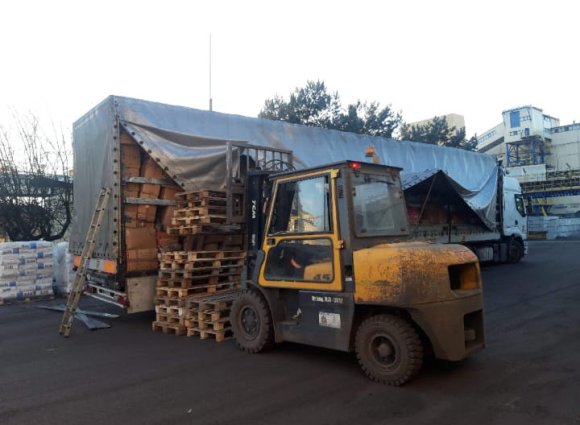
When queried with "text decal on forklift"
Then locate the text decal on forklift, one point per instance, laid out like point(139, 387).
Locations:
point(327, 299)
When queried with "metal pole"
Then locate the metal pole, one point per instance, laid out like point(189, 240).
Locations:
point(210, 99)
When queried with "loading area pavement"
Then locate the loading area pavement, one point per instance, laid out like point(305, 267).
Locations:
point(529, 373)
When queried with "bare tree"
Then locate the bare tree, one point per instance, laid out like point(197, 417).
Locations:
point(35, 185)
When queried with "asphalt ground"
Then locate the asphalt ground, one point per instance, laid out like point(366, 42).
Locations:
point(529, 373)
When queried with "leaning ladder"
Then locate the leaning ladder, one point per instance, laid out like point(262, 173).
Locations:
point(78, 285)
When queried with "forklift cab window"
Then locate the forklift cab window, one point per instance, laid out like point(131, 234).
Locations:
point(302, 206)
point(379, 205)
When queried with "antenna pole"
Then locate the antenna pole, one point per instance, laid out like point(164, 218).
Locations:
point(210, 99)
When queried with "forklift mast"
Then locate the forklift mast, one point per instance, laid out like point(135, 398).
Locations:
point(258, 192)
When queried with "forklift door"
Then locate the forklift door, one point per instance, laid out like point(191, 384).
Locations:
point(303, 263)
point(302, 241)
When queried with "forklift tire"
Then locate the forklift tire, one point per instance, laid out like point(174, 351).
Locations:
point(252, 323)
point(388, 349)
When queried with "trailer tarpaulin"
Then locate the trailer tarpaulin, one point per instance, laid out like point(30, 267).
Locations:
point(190, 145)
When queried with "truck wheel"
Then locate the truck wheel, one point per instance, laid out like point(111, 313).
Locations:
point(388, 349)
point(252, 323)
point(515, 251)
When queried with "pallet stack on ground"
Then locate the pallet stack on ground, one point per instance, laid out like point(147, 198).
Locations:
point(204, 316)
point(185, 276)
point(209, 317)
point(210, 265)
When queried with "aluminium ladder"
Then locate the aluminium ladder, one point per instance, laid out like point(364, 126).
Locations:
point(78, 285)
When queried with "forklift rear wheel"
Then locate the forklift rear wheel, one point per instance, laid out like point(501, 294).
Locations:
point(388, 349)
point(252, 323)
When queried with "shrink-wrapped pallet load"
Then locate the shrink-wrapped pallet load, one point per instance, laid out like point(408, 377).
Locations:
point(25, 269)
point(63, 268)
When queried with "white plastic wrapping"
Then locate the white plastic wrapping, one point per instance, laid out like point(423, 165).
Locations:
point(63, 268)
point(26, 269)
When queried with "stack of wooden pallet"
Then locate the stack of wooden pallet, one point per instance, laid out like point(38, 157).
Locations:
point(209, 317)
point(200, 212)
point(205, 273)
point(186, 275)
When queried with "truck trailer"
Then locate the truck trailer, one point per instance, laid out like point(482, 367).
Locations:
point(438, 213)
point(146, 152)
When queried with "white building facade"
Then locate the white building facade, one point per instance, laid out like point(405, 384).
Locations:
point(542, 154)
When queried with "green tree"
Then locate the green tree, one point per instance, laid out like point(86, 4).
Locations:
point(438, 132)
point(313, 105)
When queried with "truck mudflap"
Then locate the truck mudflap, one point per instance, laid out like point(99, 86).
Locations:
point(455, 328)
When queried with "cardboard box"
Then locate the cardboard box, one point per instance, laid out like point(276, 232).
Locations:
point(131, 156)
point(131, 190)
point(168, 192)
point(152, 170)
point(165, 216)
point(150, 191)
point(130, 171)
point(146, 213)
point(131, 220)
point(140, 238)
point(126, 139)
point(167, 243)
point(142, 260)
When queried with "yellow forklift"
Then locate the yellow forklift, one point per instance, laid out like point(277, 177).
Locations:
point(330, 265)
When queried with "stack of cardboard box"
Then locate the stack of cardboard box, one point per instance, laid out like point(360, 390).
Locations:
point(145, 224)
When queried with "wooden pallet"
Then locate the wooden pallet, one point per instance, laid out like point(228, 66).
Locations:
point(219, 336)
point(217, 302)
point(166, 292)
point(194, 220)
point(170, 302)
point(188, 256)
point(179, 281)
point(209, 203)
point(200, 194)
point(195, 211)
point(171, 328)
point(177, 267)
point(213, 241)
point(173, 310)
point(203, 229)
point(169, 319)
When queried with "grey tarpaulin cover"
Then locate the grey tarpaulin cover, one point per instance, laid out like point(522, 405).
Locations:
point(190, 145)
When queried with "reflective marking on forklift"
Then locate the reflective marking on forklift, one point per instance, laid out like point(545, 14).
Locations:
point(326, 299)
point(330, 320)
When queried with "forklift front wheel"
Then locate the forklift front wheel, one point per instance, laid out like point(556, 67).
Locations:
point(252, 323)
point(388, 349)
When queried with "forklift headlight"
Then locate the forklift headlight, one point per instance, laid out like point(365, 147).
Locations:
point(464, 277)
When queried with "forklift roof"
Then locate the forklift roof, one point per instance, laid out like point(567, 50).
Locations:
point(347, 163)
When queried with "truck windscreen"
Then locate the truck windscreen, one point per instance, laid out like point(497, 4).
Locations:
point(379, 205)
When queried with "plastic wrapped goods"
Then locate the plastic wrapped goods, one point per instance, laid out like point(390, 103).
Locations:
point(26, 269)
point(63, 269)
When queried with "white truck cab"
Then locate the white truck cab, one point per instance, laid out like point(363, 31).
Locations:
point(515, 222)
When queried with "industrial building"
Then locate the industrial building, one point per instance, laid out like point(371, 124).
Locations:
point(543, 155)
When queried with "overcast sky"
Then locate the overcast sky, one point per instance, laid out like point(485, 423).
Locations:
point(426, 58)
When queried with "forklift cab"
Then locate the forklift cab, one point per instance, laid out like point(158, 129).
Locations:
point(303, 264)
point(311, 220)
